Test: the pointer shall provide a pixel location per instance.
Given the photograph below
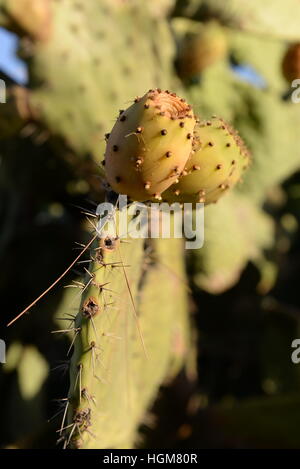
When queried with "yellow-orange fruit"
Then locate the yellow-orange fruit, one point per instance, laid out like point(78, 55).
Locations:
point(149, 145)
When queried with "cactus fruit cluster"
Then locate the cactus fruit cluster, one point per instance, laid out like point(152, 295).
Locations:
point(291, 63)
point(155, 147)
point(158, 150)
point(84, 61)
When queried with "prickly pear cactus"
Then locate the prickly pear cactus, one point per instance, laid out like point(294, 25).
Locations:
point(124, 346)
point(216, 164)
point(78, 72)
point(149, 145)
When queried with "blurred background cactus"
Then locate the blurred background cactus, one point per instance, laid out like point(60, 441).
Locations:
point(217, 322)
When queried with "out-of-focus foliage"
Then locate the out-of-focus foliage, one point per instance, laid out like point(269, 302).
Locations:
point(85, 61)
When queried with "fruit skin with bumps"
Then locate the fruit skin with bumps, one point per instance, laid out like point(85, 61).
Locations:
point(291, 63)
point(217, 162)
point(149, 145)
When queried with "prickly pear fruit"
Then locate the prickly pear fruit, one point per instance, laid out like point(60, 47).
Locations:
point(37, 20)
point(199, 49)
point(218, 158)
point(291, 62)
point(149, 145)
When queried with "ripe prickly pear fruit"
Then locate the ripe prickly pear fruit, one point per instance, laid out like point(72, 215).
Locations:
point(200, 49)
point(218, 158)
point(291, 63)
point(149, 145)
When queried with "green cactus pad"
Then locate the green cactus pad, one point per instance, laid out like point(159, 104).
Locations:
point(217, 161)
point(121, 356)
point(149, 145)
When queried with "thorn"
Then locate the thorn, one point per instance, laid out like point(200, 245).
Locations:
point(72, 343)
point(54, 283)
point(64, 417)
point(65, 331)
